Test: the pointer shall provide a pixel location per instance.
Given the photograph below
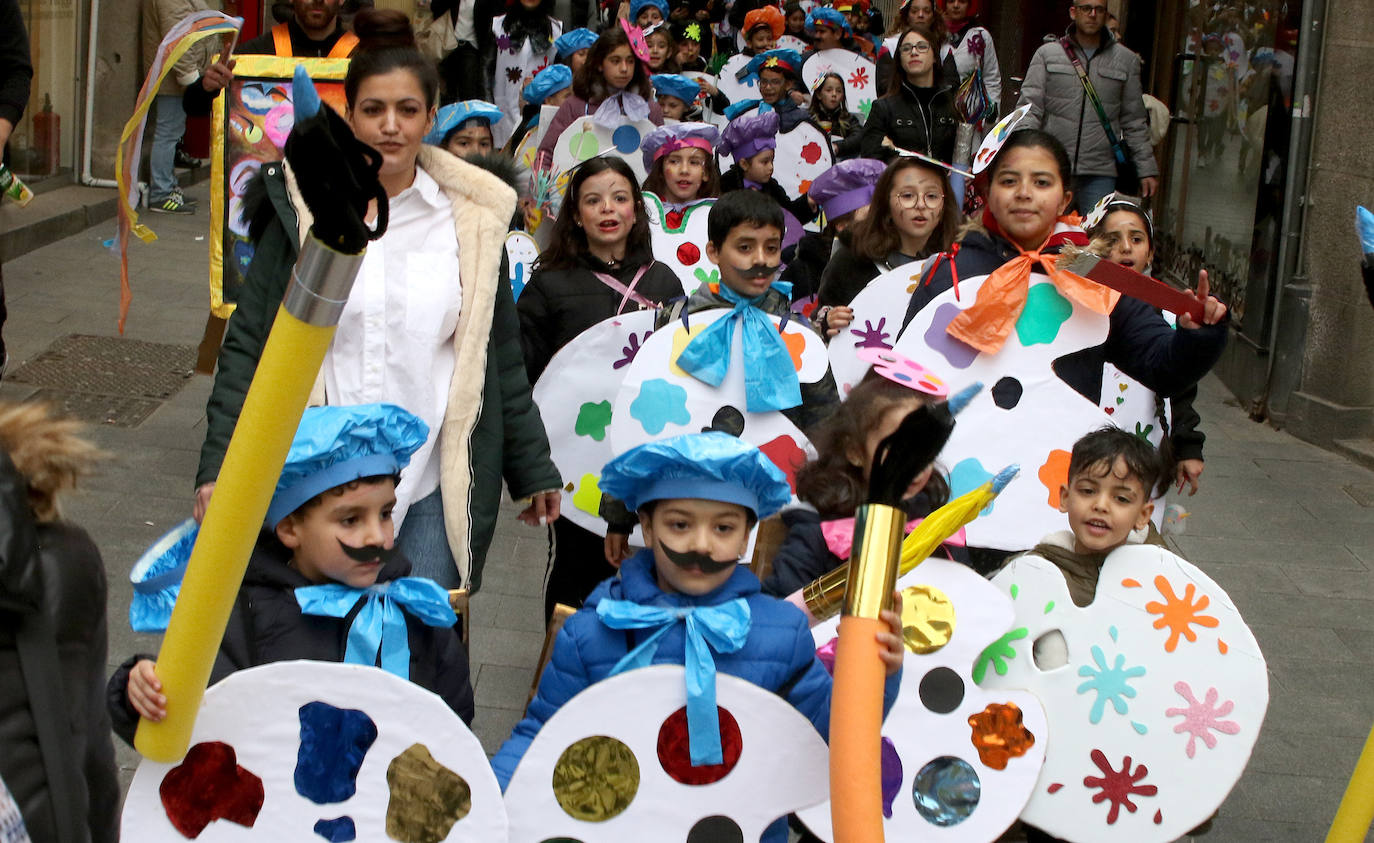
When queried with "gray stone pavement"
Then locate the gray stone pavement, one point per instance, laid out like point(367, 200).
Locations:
point(1286, 528)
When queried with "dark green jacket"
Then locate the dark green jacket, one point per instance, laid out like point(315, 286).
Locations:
point(492, 429)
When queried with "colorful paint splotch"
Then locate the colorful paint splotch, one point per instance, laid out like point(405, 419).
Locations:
point(1054, 474)
point(997, 655)
point(891, 775)
point(1118, 786)
point(967, 475)
point(210, 785)
point(337, 830)
point(588, 495)
point(1178, 613)
point(674, 749)
point(658, 405)
point(334, 742)
point(427, 798)
point(681, 337)
point(784, 452)
point(957, 353)
point(1110, 682)
point(999, 734)
point(1201, 718)
point(592, 419)
point(1045, 312)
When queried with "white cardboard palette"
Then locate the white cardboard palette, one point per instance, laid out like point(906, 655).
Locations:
point(982, 614)
point(859, 75)
point(521, 253)
point(734, 89)
point(782, 765)
point(683, 248)
point(879, 309)
point(256, 712)
point(801, 156)
point(585, 139)
point(1162, 670)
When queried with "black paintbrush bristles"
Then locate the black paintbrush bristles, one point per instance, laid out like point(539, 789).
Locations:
point(915, 444)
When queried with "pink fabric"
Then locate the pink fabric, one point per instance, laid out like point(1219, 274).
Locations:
point(682, 143)
point(839, 535)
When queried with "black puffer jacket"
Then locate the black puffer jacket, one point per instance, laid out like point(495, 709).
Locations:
point(915, 123)
point(559, 304)
point(55, 751)
point(267, 626)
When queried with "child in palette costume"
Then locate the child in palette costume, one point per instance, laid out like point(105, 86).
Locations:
point(787, 64)
point(401, 623)
point(745, 139)
point(656, 610)
point(460, 127)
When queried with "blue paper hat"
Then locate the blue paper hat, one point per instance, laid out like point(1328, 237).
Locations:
point(747, 136)
point(825, 14)
point(788, 61)
point(453, 116)
point(156, 578)
point(684, 88)
point(846, 187)
point(337, 445)
point(711, 466)
point(548, 82)
point(570, 42)
point(666, 139)
point(637, 6)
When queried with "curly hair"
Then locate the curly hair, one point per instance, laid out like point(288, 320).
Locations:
point(48, 451)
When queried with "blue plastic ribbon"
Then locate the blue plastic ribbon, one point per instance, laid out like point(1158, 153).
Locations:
point(722, 628)
point(1364, 224)
point(770, 379)
point(380, 626)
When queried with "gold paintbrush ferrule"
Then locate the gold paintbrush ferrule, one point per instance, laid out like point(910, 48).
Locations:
point(872, 572)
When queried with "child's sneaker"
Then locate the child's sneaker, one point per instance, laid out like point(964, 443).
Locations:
point(175, 203)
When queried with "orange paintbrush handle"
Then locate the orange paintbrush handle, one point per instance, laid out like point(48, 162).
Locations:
point(856, 721)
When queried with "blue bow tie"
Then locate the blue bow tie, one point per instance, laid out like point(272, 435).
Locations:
point(380, 626)
point(770, 379)
point(722, 628)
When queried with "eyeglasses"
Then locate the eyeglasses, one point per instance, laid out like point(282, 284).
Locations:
point(910, 199)
point(919, 47)
point(1091, 10)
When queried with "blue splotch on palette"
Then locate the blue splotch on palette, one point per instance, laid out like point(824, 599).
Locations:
point(334, 742)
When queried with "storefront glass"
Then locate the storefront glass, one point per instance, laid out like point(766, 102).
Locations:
point(45, 141)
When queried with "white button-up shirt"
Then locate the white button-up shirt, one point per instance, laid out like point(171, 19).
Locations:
point(395, 338)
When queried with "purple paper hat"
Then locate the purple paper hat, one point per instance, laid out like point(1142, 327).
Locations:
point(846, 187)
point(666, 139)
point(749, 135)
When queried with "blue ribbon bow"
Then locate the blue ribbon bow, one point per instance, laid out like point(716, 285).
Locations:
point(770, 379)
point(380, 626)
point(722, 628)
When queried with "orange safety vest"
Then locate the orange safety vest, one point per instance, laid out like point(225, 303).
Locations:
point(281, 42)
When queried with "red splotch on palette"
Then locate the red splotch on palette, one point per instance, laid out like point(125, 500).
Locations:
point(786, 455)
point(811, 152)
point(1055, 788)
point(1159, 817)
point(688, 254)
point(674, 751)
point(210, 785)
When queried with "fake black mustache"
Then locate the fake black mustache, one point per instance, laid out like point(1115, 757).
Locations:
point(369, 552)
point(759, 270)
point(692, 559)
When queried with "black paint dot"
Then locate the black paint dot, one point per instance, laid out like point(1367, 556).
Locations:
point(715, 830)
point(727, 420)
point(1006, 393)
point(942, 690)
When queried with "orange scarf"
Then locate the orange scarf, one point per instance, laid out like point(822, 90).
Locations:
point(986, 324)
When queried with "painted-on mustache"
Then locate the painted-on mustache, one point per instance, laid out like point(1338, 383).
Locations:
point(692, 559)
point(369, 552)
point(759, 270)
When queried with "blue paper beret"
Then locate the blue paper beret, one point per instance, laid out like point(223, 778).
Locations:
point(570, 42)
point(684, 88)
point(788, 61)
point(336, 445)
point(711, 466)
point(825, 14)
point(637, 6)
point(454, 115)
point(548, 82)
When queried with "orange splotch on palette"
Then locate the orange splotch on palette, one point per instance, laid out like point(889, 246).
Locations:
point(795, 342)
point(681, 337)
point(803, 186)
point(1130, 583)
point(1222, 647)
point(1055, 473)
point(999, 735)
point(1179, 613)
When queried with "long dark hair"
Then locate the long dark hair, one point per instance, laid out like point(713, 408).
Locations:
point(897, 75)
point(657, 183)
point(832, 483)
point(937, 22)
point(840, 118)
point(536, 24)
point(386, 43)
point(570, 240)
point(875, 236)
point(670, 64)
point(590, 85)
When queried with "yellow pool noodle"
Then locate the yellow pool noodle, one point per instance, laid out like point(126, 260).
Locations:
point(1356, 811)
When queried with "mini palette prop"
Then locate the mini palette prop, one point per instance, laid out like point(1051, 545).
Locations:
point(521, 253)
point(593, 773)
point(1027, 414)
point(801, 156)
point(586, 139)
point(1154, 716)
point(791, 42)
point(679, 240)
point(858, 73)
point(734, 88)
point(320, 751)
point(959, 761)
point(657, 399)
point(1131, 283)
point(575, 395)
point(992, 144)
point(879, 309)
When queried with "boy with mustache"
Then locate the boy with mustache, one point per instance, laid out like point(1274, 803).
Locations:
point(697, 497)
point(326, 568)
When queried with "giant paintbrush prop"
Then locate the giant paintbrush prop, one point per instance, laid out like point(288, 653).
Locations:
point(1128, 282)
point(337, 177)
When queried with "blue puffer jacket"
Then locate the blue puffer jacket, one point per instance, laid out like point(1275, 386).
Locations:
point(780, 655)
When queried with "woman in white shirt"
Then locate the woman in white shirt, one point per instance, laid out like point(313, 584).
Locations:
point(430, 323)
